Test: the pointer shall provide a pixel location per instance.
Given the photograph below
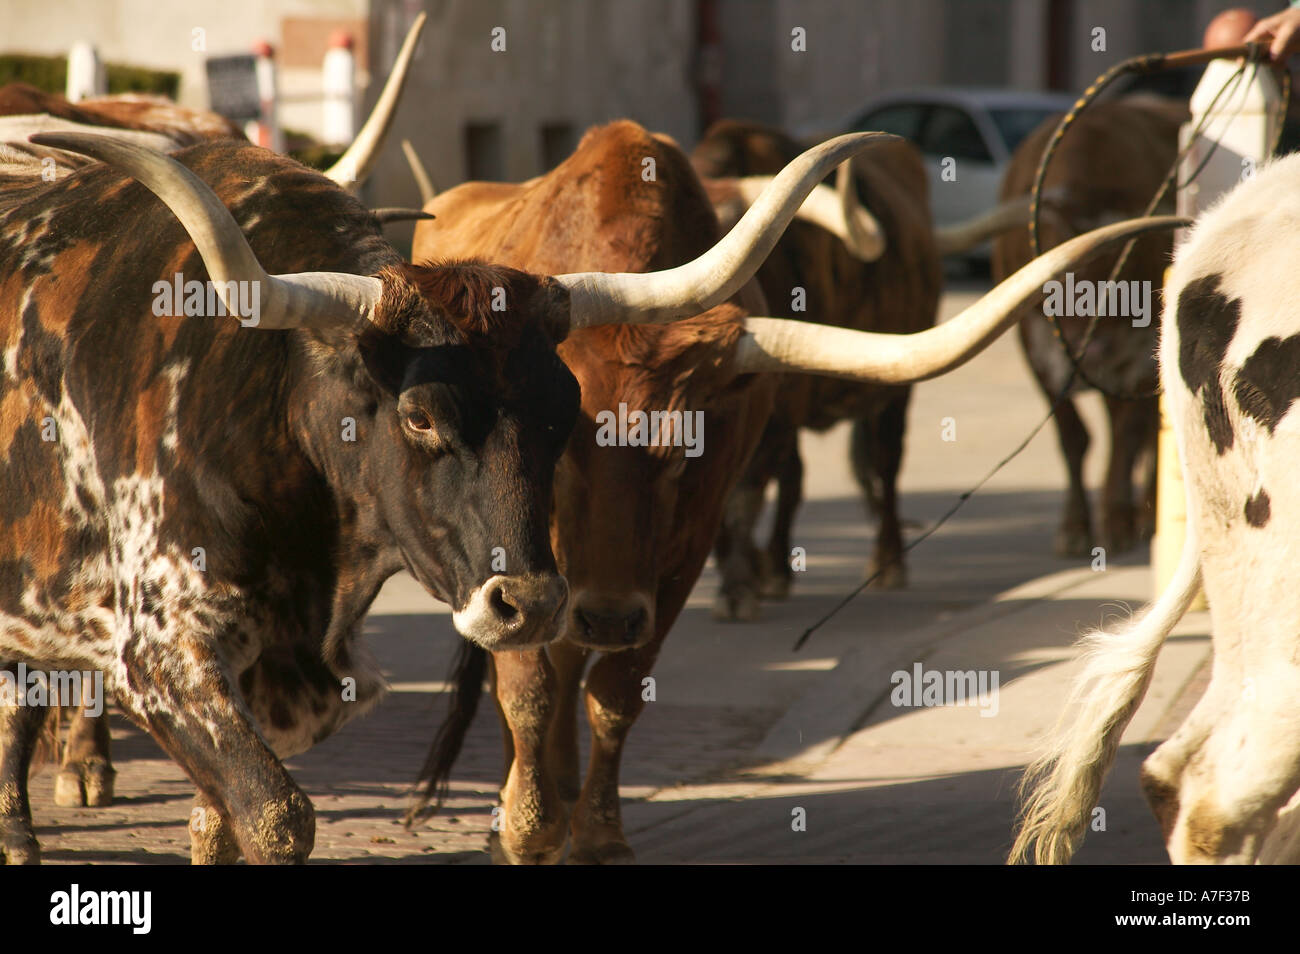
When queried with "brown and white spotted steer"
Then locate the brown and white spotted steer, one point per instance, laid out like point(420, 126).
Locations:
point(225, 497)
point(633, 525)
point(86, 774)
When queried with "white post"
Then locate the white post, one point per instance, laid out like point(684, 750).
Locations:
point(340, 89)
point(1244, 123)
point(265, 130)
point(85, 73)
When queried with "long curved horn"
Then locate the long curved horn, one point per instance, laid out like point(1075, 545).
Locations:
point(428, 192)
point(780, 344)
point(309, 299)
point(387, 215)
point(962, 236)
point(838, 212)
point(354, 165)
point(629, 298)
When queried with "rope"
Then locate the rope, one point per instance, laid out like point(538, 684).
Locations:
point(1141, 64)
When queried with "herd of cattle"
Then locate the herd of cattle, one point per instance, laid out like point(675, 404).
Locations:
point(203, 508)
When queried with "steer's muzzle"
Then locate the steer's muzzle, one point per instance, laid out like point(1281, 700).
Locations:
point(610, 624)
point(511, 612)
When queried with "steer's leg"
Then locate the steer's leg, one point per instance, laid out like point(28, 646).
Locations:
point(569, 660)
point(614, 700)
point(1051, 370)
point(1131, 427)
point(20, 728)
point(1162, 772)
point(738, 558)
point(180, 691)
point(1248, 768)
point(533, 823)
point(877, 450)
point(86, 777)
point(776, 571)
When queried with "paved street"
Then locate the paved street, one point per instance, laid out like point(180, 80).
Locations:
point(744, 731)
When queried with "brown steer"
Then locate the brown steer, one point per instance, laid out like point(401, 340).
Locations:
point(632, 525)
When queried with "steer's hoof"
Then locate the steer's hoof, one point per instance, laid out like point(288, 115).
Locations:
point(736, 608)
point(18, 843)
point(1073, 542)
point(1122, 534)
point(501, 855)
point(776, 588)
point(610, 853)
point(87, 784)
point(892, 577)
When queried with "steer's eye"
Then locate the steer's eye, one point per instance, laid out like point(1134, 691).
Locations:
point(419, 422)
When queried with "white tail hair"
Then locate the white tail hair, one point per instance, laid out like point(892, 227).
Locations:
point(1061, 787)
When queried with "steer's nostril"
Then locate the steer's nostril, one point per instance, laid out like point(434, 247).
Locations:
point(635, 624)
point(502, 606)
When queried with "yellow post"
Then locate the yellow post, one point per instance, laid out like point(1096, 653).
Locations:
point(1171, 509)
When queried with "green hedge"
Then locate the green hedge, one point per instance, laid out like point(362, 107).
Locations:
point(50, 73)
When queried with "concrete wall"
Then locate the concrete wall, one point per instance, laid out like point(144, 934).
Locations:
point(569, 64)
point(577, 63)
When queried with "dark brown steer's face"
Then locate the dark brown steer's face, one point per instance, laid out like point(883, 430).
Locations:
point(471, 409)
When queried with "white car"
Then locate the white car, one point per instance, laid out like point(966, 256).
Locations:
point(967, 136)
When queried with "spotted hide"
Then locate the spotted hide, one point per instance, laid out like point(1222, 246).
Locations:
point(204, 511)
point(1229, 365)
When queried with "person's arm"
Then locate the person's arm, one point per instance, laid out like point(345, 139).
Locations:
point(1282, 30)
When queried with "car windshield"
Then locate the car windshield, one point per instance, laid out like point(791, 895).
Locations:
point(1015, 124)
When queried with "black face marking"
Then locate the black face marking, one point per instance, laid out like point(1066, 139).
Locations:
point(1207, 320)
point(1269, 380)
point(1257, 509)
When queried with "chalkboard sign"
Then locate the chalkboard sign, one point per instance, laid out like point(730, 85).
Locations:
point(232, 86)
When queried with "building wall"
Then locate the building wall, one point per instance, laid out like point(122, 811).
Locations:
point(566, 65)
point(569, 64)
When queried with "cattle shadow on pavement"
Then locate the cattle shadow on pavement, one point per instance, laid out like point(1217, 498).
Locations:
point(962, 818)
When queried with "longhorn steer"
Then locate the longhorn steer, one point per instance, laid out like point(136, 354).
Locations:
point(1109, 166)
point(222, 503)
point(1229, 363)
point(814, 276)
point(86, 773)
point(633, 525)
point(870, 262)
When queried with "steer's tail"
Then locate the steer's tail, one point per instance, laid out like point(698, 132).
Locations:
point(466, 676)
point(1061, 787)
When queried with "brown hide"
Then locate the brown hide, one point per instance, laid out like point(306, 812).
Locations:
point(126, 111)
point(617, 527)
point(1108, 167)
point(897, 294)
point(632, 526)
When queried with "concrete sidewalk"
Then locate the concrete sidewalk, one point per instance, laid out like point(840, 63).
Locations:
point(884, 784)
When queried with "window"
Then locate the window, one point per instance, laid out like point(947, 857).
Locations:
point(1016, 124)
point(951, 132)
point(557, 144)
point(484, 159)
point(902, 120)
